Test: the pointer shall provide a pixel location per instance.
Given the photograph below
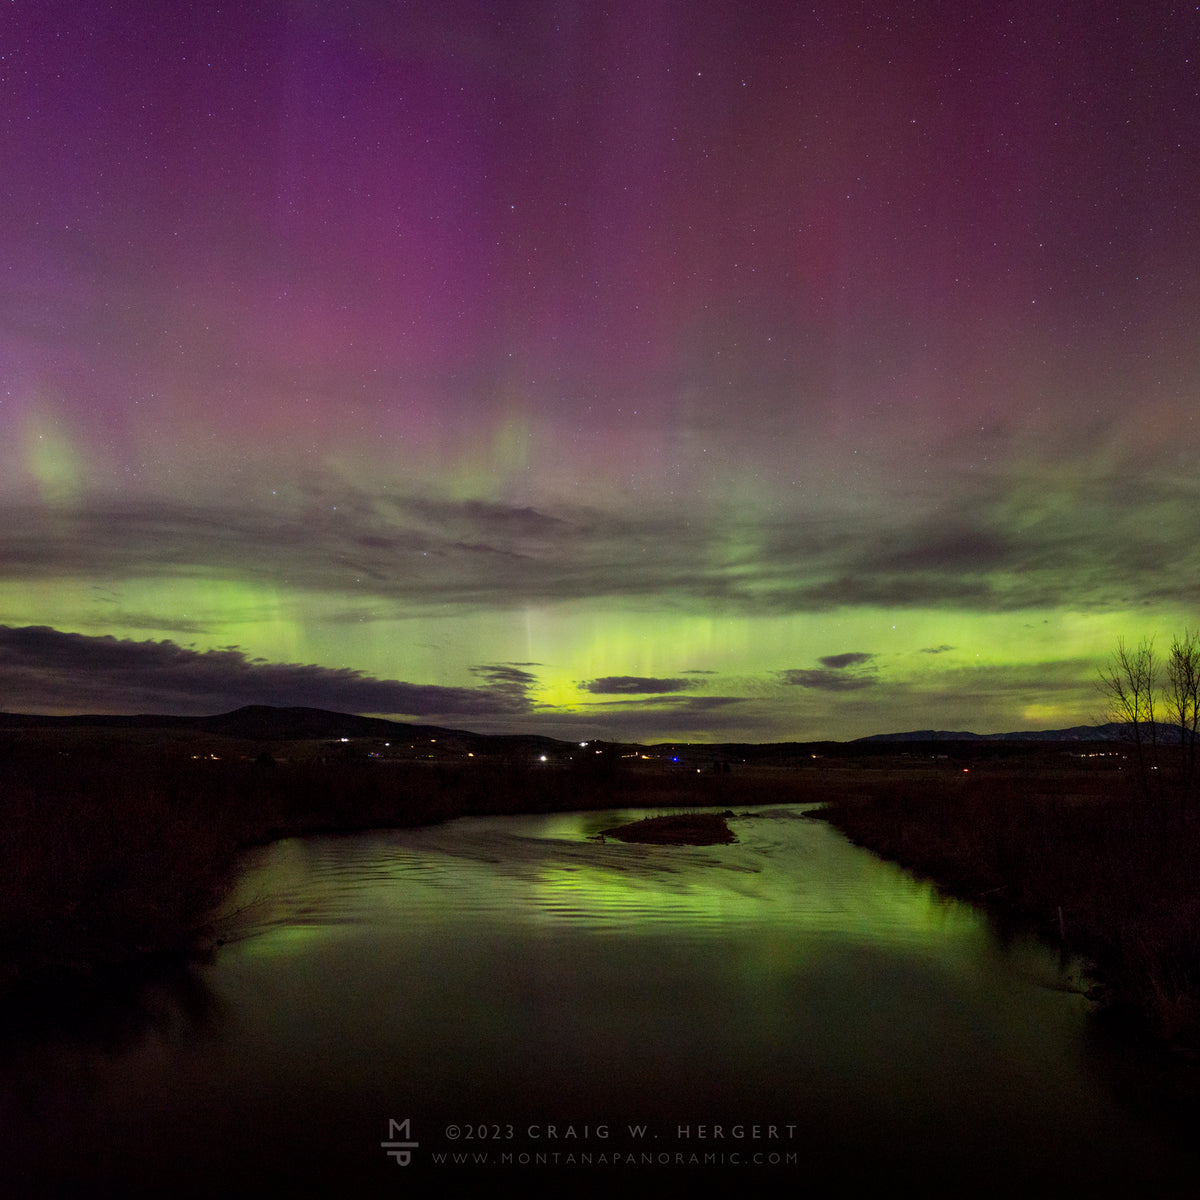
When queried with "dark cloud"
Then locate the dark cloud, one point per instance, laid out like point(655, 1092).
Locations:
point(942, 649)
point(937, 549)
point(827, 680)
point(508, 681)
point(43, 669)
point(839, 662)
point(837, 673)
point(634, 685)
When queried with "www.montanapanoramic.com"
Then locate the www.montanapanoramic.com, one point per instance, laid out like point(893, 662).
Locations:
point(614, 1158)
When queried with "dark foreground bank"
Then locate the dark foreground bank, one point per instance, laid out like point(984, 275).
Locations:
point(1103, 874)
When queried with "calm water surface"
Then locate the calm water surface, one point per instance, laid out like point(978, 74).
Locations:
point(787, 1010)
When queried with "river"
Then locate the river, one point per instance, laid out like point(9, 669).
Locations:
point(512, 1002)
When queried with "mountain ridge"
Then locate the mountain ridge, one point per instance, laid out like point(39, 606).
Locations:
point(1112, 731)
point(265, 722)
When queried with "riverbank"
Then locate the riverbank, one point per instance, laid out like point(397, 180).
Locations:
point(1102, 876)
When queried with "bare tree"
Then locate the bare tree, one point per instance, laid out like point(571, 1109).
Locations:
point(1183, 705)
point(1129, 683)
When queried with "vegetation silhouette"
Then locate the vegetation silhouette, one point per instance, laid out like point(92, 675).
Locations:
point(1159, 716)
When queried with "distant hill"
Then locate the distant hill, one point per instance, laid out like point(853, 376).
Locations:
point(261, 722)
point(1114, 731)
point(255, 721)
point(266, 723)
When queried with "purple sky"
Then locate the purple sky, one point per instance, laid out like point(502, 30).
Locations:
point(613, 346)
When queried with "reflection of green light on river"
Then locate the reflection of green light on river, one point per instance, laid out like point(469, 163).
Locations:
point(544, 875)
point(512, 968)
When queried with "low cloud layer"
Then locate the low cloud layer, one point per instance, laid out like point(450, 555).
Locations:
point(845, 695)
point(43, 669)
point(47, 670)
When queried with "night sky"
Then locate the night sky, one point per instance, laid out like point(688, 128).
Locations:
point(651, 370)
